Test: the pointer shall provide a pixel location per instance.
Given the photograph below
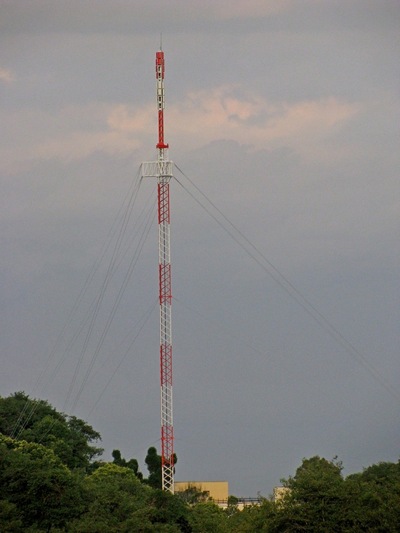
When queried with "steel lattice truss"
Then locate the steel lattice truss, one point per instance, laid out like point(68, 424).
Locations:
point(162, 170)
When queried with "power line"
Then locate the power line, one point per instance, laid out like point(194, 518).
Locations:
point(103, 289)
point(142, 322)
point(118, 227)
point(284, 283)
point(133, 263)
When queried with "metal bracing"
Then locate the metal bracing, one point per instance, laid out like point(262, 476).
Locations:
point(167, 432)
point(156, 169)
point(162, 169)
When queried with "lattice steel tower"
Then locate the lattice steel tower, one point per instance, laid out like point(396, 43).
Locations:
point(162, 169)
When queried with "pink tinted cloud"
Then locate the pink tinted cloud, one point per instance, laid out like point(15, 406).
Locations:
point(227, 112)
point(6, 75)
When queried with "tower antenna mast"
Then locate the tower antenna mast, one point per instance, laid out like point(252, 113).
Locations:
point(162, 169)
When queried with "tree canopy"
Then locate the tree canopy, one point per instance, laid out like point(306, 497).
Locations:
point(36, 486)
point(52, 479)
point(71, 439)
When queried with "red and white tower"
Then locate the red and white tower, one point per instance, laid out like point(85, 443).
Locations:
point(162, 170)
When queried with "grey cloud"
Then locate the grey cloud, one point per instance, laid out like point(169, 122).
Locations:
point(255, 376)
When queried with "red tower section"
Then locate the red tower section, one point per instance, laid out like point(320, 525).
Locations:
point(165, 295)
point(160, 71)
point(162, 170)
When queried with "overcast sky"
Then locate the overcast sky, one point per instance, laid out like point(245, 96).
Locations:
point(285, 115)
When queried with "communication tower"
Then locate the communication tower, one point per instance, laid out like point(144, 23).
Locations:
point(162, 169)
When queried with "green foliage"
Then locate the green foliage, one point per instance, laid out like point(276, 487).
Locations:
point(118, 501)
point(319, 499)
point(153, 462)
point(113, 495)
point(193, 495)
point(207, 517)
point(168, 509)
point(232, 500)
point(154, 466)
point(70, 438)
point(376, 496)
point(132, 464)
point(40, 489)
point(50, 482)
point(315, 499)
point(10, 518)
point(252, 518)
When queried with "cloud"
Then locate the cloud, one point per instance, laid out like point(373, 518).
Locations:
point(226, 112)
point(73, 133)
point(6, 75)
point(127, 15)
point(239, 9)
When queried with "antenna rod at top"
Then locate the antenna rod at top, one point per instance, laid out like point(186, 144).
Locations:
point(165, 294)
point(162, 170)
point(161, 42)
point(160, 70)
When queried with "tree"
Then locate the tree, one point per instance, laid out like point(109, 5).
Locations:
point(154, 466)
point(39, 489)
point(252, 518)
point(168, 510)
point(375, 494)
point(207, 517)
point(314, 501)
point(113, 495)
point(10, 518)
point(119, 502)
point(131, 464)
point(193, 495)
point(70, 438)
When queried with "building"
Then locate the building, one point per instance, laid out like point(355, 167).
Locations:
point(280, 493)
point(217, 490)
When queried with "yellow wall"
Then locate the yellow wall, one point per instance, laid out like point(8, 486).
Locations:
point(280, 493)
point(218, 490)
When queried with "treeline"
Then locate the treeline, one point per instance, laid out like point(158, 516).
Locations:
point(52, 480)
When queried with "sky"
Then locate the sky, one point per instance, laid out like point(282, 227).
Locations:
point(282, 120)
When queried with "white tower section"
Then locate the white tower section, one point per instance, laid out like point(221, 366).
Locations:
point(162, 170)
